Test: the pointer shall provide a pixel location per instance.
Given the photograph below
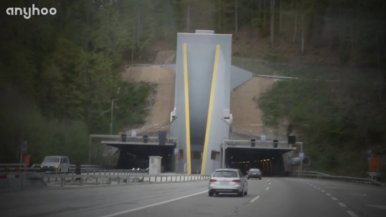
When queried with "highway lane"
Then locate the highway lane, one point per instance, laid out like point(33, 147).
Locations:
point(91, 201)
point(357, 199)
point(267, 197)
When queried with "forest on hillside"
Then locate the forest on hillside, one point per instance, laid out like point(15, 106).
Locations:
point(60, 74)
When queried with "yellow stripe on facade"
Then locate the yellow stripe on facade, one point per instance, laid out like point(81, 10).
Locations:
point(187, 112)
point(210, 109)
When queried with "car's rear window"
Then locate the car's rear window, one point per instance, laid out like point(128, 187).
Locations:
point(230, 174)
point(51, 159)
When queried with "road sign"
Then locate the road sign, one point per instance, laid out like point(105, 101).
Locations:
point(263, 138)
point(374, 164)
point(24, 147)
point(301, 155)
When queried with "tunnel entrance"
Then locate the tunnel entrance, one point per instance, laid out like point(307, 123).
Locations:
point(268, 160)
point(136, 155)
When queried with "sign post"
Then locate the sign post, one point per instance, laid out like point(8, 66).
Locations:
point(374, 163)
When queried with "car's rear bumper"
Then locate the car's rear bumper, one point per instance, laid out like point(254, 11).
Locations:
point(226, 191)
point(226, 188)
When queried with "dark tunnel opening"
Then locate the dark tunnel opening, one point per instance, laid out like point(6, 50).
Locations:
point(269, 161)
point(137, 156)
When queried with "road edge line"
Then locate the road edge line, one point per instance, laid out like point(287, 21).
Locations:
point(153, 204)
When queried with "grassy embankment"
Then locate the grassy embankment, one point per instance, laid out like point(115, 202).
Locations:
point(335, 110)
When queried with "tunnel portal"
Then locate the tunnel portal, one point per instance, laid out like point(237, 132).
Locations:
point(136, 154)
point(268, 160)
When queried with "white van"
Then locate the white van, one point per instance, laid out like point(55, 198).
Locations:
point(58, 164)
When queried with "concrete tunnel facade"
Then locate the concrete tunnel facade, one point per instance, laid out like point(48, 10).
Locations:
point(202, 99)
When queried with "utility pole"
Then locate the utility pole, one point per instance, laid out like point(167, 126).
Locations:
point(112, 116)
point(301, 159)
point(236, 16)
point(272, 23)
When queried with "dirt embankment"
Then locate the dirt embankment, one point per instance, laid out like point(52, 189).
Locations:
point(247, 116)
point(163, 78)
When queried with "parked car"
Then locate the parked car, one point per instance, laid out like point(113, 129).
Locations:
point(254, 173)
point(228, 181)
point(57, 164)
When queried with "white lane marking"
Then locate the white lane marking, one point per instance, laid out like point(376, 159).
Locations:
point(267, 188)
point(351, 213)
point(359, 194)
point(255, 198)
point(328, 194)
point(377, 206)
point(323, 191)
point(153, 204)
point(334, 198)
point(269, 183)
point(342, 204)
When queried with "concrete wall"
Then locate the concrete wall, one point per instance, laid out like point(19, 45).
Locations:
point(200, 58)
point(239, 76)
point(219, 128)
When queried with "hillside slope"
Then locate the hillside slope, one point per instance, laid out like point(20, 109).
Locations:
point(247, 116)
point(163, 100)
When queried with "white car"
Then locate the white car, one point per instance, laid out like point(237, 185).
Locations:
point(57, 164)
point(228, 181)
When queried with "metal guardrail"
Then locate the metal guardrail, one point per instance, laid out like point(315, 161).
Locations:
point(19, 167)
point(320, 175)
point(116, 177)
point(17, 176)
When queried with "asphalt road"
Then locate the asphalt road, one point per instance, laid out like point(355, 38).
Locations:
point(270, 197)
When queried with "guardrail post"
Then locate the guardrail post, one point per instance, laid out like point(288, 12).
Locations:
point(61, 181)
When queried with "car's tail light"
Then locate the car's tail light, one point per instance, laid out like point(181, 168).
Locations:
point(212, 180)
point(236, 180)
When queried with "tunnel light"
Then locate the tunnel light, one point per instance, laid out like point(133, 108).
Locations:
point(253, 142)
point(275, 143)
point(123, 137)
